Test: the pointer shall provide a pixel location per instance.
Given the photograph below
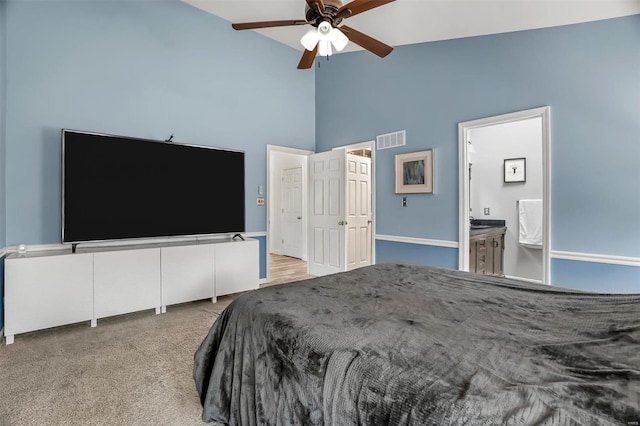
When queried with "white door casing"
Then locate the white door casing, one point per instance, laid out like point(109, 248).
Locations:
point(327, 213)
point(291, 218)
point(463, 132)
point(358, 211)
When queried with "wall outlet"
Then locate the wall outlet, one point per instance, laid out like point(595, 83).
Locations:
point(486, 211)
point(260, 201)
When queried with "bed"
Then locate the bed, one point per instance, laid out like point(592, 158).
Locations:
point(415, 345)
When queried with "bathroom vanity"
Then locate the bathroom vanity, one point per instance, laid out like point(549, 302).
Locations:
point(486, 247)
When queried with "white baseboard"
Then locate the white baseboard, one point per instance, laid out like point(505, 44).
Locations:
point(596, 258)
point(420, 241)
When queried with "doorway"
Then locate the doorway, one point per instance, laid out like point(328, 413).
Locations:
point(509, 204)
point(282, 162)
point(286, 202)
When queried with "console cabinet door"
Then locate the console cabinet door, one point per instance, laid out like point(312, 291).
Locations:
point(47, 291)
point(126, 281)
point(187, 273)
point(237, 266)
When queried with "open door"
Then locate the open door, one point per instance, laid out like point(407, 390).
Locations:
point(339, 212)
point(358, 211)
point(291, 208)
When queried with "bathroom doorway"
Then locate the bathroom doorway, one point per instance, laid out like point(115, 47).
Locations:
point(491, 150)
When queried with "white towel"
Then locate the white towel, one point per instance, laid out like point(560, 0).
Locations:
point(530, 222)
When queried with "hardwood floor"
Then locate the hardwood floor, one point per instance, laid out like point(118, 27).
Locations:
point(284, 269)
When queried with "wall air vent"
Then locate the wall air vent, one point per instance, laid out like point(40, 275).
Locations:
point(391, 140)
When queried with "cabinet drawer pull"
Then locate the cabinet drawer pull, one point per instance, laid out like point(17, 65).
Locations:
point(495, 244)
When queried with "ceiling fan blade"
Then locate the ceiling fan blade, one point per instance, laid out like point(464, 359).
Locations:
point(369, 43)
point(359, 6)
point(307, 59)
point(266, 24)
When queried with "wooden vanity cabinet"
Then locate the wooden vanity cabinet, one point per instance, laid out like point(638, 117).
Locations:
point(486, 251)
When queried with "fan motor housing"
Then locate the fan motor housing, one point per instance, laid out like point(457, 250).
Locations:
point(330, 8)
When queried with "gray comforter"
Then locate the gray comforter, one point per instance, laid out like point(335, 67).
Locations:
point(401, 344)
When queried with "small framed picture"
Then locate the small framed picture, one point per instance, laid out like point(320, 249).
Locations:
point(414, 172)
point(515, 170)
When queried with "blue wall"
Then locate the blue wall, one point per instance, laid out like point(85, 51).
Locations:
point(395, 252)
point(3, 98)
point(262, 240)
point(149, 69)
point(143, 69)
point(598, 277)
point(588, 73)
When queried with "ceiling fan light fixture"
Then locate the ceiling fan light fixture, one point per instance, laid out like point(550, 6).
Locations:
point(324, 29)
point(325, 36)
point(310, 39)
point(324, 48)
point(338, 39)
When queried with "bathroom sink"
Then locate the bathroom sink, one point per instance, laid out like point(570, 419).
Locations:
point(481, 227)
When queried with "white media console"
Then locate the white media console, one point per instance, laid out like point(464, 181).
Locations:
point(50, 289)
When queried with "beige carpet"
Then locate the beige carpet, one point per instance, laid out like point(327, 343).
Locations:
point(130, 370)
point(134, 369)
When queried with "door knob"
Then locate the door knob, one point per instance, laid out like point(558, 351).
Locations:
point(299, 217)
point(342, 222)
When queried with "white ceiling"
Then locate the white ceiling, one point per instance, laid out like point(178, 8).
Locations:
point(416, 21)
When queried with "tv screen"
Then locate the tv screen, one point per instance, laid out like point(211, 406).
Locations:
point(116, 187)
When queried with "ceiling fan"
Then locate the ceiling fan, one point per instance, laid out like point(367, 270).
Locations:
point(325, 16)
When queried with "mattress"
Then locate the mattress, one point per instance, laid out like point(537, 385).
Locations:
point(416, 345)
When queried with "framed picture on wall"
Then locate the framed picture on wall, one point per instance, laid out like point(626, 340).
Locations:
point(414, 172)
point(515, 170)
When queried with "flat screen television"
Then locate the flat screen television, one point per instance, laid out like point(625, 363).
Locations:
point(117, 187)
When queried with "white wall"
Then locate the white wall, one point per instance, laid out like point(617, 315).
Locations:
point(277, 162)
point(492, 145)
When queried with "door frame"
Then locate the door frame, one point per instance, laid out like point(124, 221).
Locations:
point(371, 145)
point(463, 167)
point(269, 196)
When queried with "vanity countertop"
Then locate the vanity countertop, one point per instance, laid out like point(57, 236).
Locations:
point(474, 232)
point(487, 226)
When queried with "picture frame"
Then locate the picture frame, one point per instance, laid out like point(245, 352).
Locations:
point(414, 172)
point(515, 170)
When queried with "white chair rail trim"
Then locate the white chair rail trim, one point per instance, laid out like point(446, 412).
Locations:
point(421, 241)
point(596, 258)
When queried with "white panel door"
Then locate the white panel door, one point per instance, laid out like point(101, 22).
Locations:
point(187, 273)
point(327, 213)
point(291, 218)
point(358, 211)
